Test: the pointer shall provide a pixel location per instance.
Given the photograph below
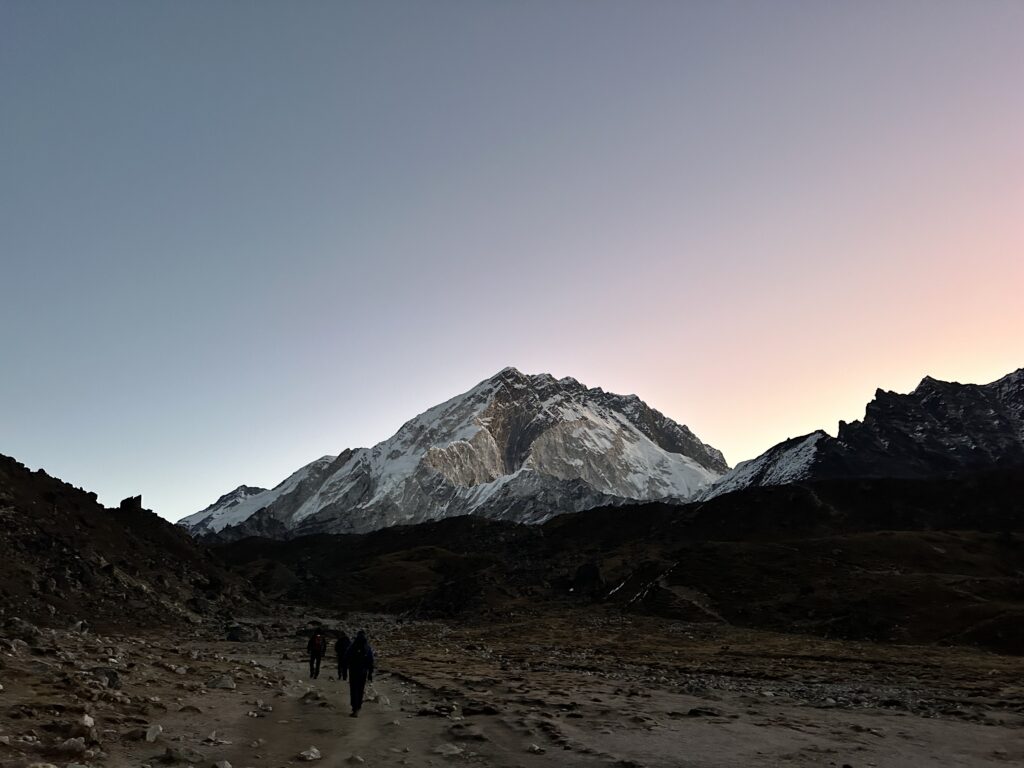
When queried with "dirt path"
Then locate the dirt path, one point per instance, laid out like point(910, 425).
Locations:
point(391, 729)
point(463, 709)
point(558, 695)
point(388, 731)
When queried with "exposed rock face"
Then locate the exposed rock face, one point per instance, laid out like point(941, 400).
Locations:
point(514, 447)
point(940, 427)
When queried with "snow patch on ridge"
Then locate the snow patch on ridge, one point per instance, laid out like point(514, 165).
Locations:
point(784, 463)
point(248, 505)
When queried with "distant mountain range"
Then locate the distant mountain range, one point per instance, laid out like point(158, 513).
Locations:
point(515, 447)
point(525, 448)
point(939, 428)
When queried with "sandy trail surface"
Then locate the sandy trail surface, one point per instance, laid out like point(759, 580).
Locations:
point(568, 690)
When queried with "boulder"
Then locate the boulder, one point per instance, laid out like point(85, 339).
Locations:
point(131, 504)
point(18, 628)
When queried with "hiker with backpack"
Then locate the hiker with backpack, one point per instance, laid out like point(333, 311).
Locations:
point(340, 649)
point(317, 649)
point(358, 665)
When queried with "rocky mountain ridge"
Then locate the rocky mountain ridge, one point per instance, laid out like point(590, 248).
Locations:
point(938, 428)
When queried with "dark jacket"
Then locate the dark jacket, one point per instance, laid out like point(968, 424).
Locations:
point(359, 659)
point(312, 650)
point(341, 647)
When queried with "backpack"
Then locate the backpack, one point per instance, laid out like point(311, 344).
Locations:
point(357, 656)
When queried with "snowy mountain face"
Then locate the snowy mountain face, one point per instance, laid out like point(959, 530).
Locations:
point(940, 427)
point(514, 447)
point(787, 462)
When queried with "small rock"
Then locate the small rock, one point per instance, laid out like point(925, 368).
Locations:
point(533, 749)
point(108, 676)
point(222, 764)
point(74, 746)
point(181, 755)
point(467, 732)
point(447, 750)
point(310, 755)
point(153, 733)
point(703, 712)
point(226, 682)
point(355, 760)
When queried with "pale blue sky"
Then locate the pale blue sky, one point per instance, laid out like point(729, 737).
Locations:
point(236, 236)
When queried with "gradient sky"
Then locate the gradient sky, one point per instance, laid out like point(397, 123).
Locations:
point(236, 236)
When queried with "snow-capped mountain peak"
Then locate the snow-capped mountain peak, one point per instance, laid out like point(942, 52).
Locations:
point(515, 446)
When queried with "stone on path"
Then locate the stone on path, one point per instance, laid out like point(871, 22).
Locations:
point(181, 755)
point(74, 746)
point(310, 755)
point(447, 750)
point(227, 682)
point(466, 732)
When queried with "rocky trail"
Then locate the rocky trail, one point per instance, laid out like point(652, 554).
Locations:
point(567, 690)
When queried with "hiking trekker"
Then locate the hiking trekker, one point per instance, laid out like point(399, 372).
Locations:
point(340, 649)
point(317, 649)
point(359, 667)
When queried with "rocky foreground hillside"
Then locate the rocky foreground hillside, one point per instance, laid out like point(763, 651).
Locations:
point(66, 558)
point(940, 428)
point(515, 447)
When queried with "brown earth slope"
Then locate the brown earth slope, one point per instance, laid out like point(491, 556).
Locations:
point(66, 558)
